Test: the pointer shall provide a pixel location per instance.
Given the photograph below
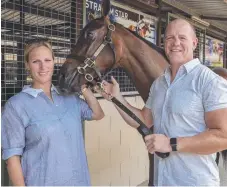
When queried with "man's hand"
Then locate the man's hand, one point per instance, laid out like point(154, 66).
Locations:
point(111, 89)
point(157, 143)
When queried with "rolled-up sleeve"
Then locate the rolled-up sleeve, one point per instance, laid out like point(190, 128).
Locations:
point(86, 112)
point(12, 132)
point(149, 99)
point(215, 94)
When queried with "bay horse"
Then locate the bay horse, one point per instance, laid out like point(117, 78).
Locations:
point(143, 61)
point(103, 46)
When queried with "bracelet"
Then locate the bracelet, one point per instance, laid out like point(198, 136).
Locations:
point(84, 89)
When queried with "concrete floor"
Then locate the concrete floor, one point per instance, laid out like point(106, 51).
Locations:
point(222, 172)
point(145, 183)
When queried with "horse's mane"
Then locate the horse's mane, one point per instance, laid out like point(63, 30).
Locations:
point(153, 46)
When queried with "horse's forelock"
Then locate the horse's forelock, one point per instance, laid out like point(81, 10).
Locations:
point(94, 24)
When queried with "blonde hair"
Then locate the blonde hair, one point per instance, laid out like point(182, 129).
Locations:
point(35, 44)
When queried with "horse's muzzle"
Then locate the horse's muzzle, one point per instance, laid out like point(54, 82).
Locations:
point(66, 82)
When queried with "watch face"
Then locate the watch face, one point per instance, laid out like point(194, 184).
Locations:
point(174, 147)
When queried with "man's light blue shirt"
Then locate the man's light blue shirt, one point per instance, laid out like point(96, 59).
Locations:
point(178, 110)
point(48, 136)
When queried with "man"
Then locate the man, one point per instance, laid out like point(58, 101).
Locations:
point(188, 108)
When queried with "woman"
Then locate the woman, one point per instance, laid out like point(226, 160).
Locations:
point(42, 136)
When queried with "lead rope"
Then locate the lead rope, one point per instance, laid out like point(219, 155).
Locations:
point(143, 129)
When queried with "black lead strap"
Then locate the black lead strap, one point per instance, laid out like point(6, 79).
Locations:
point(143, 129)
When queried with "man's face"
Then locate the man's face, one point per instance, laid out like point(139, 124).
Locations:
point(180, 42)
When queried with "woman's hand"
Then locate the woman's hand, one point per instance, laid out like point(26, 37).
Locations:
point(97, 112)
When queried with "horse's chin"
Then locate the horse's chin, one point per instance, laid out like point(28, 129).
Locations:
point(72, 85)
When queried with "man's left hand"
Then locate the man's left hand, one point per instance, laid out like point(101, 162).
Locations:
point(157, 143)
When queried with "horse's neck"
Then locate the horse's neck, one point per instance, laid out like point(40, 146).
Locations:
point(142, 63)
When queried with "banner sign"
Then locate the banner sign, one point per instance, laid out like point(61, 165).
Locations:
point(143, 24)
point(214, 52)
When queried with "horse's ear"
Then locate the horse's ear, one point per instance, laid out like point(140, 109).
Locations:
point(105, 7)
point(91, 16)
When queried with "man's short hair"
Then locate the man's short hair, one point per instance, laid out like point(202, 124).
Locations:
point(192, 26)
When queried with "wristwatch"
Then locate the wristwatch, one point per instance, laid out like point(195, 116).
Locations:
point(173, 144)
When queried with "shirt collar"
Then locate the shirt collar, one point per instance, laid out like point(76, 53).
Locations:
point(185, 68)
point(189, 66)
point(34, 92)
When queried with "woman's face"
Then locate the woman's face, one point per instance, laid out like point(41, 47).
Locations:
point(41, 65)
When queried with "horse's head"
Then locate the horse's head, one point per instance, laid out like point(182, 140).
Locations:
point(92, 54)
point(70, 80)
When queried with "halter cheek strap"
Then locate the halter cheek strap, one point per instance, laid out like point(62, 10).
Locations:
point(107, 40)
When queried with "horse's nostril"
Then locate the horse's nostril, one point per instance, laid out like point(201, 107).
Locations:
point(64, 90)
point(62, 76)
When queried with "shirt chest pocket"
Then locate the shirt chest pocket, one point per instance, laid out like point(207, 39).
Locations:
point(184, 102)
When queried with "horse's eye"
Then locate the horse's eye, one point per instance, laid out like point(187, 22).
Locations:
point(90, 35)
